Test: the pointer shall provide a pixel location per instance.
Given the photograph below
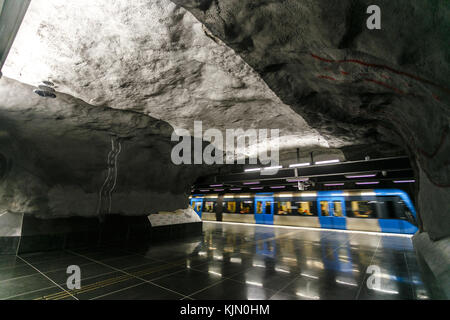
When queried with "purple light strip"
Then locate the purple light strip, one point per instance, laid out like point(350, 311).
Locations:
point(333, 184)
point(257, 188)
point(248, 183)
point(216, 185)
point(235, 189)
point(204, 190)
point(362, 176)
point(278, 187)
point(364, 183)
point(219, 189)
point(404, 181)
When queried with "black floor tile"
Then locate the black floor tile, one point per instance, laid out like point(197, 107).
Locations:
point(143, 291)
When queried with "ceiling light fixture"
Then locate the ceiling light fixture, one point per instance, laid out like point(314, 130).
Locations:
point(327, 161)
point(296, 165)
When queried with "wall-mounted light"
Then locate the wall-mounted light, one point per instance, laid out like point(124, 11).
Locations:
point(327, 161)
point(296, 165)
point(273, 168)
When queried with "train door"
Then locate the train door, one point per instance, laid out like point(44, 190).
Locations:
point(331, 212)
point(338, 210)
point(197, 205)
point(264, 210)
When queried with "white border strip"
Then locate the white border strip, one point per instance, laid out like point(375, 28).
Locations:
point(316, 229)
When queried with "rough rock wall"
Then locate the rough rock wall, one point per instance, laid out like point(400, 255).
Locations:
point(152, 57)
point(387, 87)
point(63, 157)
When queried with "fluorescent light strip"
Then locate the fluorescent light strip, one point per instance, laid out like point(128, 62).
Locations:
point(273, 168)
point(296, 165)
point(250, 183)
point(367, 183)
point(219, 189)
point(404, 181)
point(327, 161)
point(257, 188)
point(204, 190)
point(216, 185)
point(252, 170)
point(333, 184)
point(278, 187)
point(235, 189)
point(316, 229)
point(362, 176)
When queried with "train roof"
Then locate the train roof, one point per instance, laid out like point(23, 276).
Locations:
point(287, 194)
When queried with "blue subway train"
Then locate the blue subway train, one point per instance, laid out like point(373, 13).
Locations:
point(378, 210)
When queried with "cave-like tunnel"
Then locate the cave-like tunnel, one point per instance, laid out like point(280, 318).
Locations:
point(225, 149)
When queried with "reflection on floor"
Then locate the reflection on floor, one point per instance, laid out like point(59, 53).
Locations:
point(230, 261)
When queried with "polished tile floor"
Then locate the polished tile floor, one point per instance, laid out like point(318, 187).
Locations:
point(229, 261)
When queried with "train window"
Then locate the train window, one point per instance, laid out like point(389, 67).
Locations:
point(230, 207)
point(284, 207)
point(209, 206)
point(246, 207)
point(362, 209)
point(304, 208)
point(268, 207)
point(337, 211)
point(259, 207)
point(324, 208)
point(197, 206)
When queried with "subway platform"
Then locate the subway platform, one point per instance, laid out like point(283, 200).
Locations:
point(231, 262)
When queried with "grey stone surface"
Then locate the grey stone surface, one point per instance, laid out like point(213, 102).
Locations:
point(57, 153)
point(437, 257)
point(10, 224)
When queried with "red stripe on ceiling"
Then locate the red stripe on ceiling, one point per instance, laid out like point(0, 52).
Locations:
point(380, 66)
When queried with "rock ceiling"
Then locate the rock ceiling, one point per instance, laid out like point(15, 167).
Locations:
point(151, 57)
